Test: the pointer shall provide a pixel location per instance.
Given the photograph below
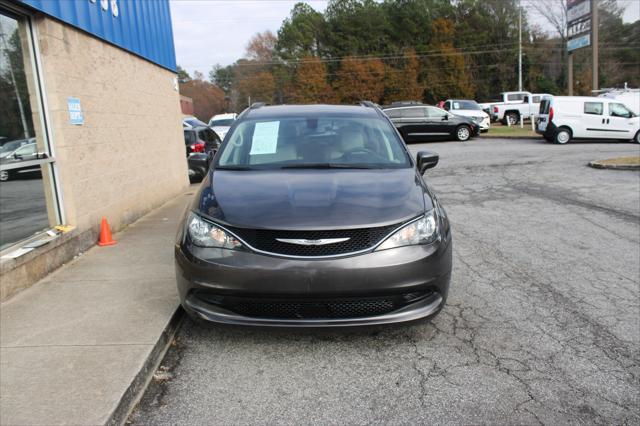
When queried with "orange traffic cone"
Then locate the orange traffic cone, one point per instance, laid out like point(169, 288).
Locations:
point(105, 234)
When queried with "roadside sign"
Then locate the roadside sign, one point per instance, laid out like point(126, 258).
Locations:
point(578, 42)
point(578, 10)
point(579, 27)
point(75, 111)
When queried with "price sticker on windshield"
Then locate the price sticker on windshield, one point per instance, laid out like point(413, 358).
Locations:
point(265, 138)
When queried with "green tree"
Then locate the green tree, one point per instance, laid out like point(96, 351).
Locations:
point(183, 75)
point(303, 33)
point(222, 77)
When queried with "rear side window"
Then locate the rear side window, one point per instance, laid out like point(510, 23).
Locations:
point(536, 99)
point(413, 113)
point(515, 97)
point(594, 108)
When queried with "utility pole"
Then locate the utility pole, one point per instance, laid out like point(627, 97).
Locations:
point(520, 47)
point(594, 42)
point(570, 75)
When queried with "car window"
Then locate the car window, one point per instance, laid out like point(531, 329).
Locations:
point(27, 149)
point(515, 97)
point(536, 99)
point(189, 137)
point(470, 105)
point(393, 113)
point(328, 140)
point(619, 110)
point(221, 122)
point(413, 112)
point(433, 112)
point(544, 106)
point(593, 108)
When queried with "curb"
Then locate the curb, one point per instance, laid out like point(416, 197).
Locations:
point(140, 382)
point(598, 165)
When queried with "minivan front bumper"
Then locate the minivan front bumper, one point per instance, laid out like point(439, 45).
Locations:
point(218, 285)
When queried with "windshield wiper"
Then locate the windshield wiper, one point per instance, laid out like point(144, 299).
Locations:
point(326, 166)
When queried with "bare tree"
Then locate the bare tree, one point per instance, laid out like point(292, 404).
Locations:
point(555, 13)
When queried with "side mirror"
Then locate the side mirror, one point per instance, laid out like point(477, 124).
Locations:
point(426, 160)
point(445, 117)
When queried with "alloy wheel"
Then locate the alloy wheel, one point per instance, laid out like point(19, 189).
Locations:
point(463, 133)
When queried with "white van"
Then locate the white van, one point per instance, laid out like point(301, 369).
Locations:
point(562, 118)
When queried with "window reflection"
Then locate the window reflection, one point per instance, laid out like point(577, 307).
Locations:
point(23, 205)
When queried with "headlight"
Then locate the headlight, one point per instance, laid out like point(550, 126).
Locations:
point(206, 234)
point(476, 119)
point(421, 231)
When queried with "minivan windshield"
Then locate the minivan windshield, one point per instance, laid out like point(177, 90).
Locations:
point(313, 142)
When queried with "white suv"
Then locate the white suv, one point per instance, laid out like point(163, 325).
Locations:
point(563, 118)
point(221, 123)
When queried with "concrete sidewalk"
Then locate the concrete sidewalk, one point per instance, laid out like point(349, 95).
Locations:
point(77, 347)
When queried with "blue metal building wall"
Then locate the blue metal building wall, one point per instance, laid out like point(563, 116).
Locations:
point(142, 27)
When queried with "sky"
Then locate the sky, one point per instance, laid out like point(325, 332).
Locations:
point(209, 32)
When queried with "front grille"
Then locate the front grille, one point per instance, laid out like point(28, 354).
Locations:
point(312, 308)
point(359, 239)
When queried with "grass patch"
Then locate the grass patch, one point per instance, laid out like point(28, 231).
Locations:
point(497, 129)
point(631, 161)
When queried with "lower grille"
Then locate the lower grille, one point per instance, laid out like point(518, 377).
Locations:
point(313, 309)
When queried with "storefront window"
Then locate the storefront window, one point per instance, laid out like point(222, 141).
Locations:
point(26, 207)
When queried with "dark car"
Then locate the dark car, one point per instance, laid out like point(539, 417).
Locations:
point(201, 144)
point(16, 160)
point(314, 215)
point(417, 123)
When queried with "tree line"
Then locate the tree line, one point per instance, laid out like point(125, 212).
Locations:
point(426, 50)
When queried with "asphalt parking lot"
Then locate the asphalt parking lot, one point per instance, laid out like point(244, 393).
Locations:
point(23, 209)
point(542, 323)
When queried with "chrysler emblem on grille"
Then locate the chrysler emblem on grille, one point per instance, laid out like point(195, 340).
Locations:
point(321, 242)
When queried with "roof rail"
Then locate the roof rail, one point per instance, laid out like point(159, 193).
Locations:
point(369, 104)
point(257, 105)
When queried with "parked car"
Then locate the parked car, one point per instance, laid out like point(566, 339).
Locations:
point(471, 109)
point(563, 118)
point(418, 122)
point(190, 122)
point(510, 113)
point(504, 98)
point(201, 144)
point(7, 147)
point(627, 96)
point(10, 164)
point(221, 123)
point(314, 215)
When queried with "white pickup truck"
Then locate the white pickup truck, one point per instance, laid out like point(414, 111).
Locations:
point(515, 105)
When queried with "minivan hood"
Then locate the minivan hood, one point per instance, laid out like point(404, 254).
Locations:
point(311, 199)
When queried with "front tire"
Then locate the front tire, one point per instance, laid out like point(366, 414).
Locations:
point(4, 175)
point(637, 138)
point(563, 135)
point(463, 133)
